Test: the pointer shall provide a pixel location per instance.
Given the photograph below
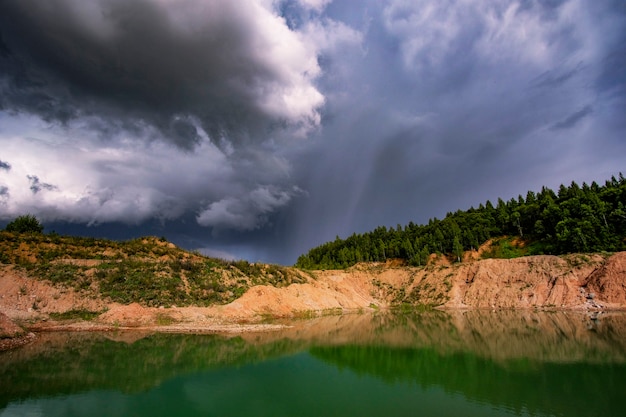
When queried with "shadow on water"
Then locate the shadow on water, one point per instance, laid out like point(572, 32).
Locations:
point(560, 363)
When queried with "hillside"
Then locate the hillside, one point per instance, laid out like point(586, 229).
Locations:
point(150, 271)
point(52, 282)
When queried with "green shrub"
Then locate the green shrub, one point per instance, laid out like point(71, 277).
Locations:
point(25, 224)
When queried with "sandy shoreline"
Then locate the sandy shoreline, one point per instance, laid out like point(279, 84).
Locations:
point(196, 328)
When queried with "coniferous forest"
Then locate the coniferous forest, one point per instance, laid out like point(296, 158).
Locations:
point(587, 218)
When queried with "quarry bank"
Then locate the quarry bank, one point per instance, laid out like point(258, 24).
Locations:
point(592, 283)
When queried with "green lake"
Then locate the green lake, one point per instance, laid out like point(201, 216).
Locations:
point(430, 364)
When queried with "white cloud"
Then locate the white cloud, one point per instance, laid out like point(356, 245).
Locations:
point(127, 181)
point(425, 29)
point(245, 212)
point(291, 95)
point(531, 35)
point(317, 5)
point(330, 35)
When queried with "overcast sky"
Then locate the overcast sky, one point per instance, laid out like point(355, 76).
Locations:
point(258, 129)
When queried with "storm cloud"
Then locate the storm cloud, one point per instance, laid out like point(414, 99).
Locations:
point(233, 70)
point(261, 128)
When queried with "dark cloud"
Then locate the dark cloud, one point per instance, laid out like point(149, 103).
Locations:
point(573, 119)
point(4, 195)
point(177, 67)
point(4, 50)
point(36, 185)
point(555, 78)
point(5, 166)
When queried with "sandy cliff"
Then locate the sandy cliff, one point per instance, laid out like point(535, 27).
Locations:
point(579, 282)
point(582, 282)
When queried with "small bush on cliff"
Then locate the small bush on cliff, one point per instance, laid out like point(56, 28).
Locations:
point(25, 224)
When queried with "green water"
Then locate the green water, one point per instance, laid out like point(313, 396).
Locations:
point(435, 364)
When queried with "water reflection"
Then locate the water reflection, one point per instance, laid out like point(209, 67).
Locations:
point(458, 363)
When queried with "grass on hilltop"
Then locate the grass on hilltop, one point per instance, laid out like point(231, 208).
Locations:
point(150, 271)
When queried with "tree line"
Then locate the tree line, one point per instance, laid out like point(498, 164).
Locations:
point(587, 218)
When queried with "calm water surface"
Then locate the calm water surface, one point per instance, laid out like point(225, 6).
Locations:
point(433, 364)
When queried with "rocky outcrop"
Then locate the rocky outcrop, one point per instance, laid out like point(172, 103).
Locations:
point(569, 282)
point(608, 283)
point(581, 282)
point(8, 329)
point(572, 282)
point(12, 335)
